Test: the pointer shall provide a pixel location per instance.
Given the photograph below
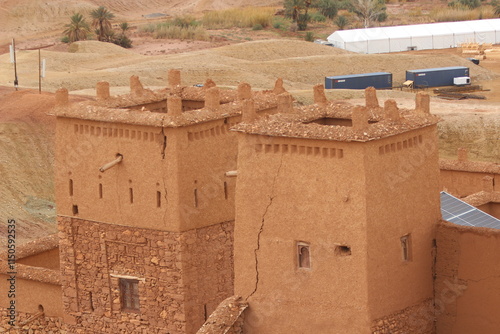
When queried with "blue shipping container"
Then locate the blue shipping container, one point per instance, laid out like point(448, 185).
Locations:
point(436, 77)
point(379, 80)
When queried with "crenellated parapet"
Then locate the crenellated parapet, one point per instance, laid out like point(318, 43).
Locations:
point(332, 120)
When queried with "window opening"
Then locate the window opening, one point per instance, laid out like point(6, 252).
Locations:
point(129, 293)
point(303, 255)
point(406, 247)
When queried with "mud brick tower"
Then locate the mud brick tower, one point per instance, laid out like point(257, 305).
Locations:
point(146, 206)
point(336, 208)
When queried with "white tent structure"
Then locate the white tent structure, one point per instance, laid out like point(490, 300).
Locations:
point(417, 37)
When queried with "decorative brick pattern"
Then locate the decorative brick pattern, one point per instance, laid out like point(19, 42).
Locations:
point(299, 149)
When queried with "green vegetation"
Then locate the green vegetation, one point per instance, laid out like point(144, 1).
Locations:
point(298, 11)
point(122, 40)
point(101, 20)
point(328, 8)
point(317, 17)
point(77, 30)
point(470, 4)
point(462, 14)
point(369, 11)
point(194, 33)
point(183, 27)
point(309, 37)
point(238, 17)
point(341, 21)
point(280, 23)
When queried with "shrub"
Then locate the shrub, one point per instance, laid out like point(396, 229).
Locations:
point(341, 21)
point(171, 31)
point(258, 26)
point(280, 23)
point(328, 8)
point(382, 17)
point(318, 17)
point(123, 41)
point(149, 28)
point(302, 21)
point(238, 17)
point(344, 4)
point(65, 39)
point(455, 14)
point(309, 36)
point(471, 4)
point(185, 21)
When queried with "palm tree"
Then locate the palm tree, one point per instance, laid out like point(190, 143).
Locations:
point(78, 29)
point(124, 27)
point(101, 20)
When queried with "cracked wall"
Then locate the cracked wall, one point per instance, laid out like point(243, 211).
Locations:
point(289, 191)
point(467, 283)
point(350, 202)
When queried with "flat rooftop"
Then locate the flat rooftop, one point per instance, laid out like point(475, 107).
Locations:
point(334, 121)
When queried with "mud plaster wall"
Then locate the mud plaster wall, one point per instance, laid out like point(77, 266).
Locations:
point(491, 208)
point(299, 190)
point(82, 147)
point(30, 294)
point(461, 183)
point(179, 273)
point(467, 285)
point(155, 184)
point(48, 259)
point(402, 191)
point(292, 190)
point(206, 152)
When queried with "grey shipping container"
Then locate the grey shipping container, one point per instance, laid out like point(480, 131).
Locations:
point(378, 80)
point(436, 77)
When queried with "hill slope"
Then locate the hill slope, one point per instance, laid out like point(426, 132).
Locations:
point(300, 64)
point(28, 17)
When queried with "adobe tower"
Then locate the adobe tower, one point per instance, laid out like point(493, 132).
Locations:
point(145, 205)
point(336, 208)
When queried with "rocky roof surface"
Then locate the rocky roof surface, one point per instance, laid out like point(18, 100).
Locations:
point(300, 123)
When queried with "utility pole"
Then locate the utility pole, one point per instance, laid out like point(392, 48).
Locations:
point(16, 83)
point(39, 72)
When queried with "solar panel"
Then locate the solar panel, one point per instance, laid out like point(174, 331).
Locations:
point(461, 213)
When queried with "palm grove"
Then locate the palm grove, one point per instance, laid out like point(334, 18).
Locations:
point(79, 29)
point(368, 11)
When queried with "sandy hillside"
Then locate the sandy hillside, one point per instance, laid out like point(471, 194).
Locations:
point(300, 64)
point(27, 162)
point(25, 18)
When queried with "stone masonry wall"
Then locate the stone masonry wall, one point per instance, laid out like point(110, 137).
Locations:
point(417, 319)
point(94, 256)
point(207, 258)
point(40, 325)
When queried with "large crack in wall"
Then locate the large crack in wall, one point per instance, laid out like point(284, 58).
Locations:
point(261, 230)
